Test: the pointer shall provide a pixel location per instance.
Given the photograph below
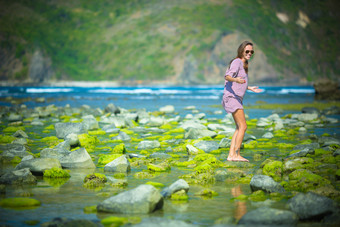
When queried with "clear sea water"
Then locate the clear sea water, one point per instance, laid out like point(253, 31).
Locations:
point(69, 200)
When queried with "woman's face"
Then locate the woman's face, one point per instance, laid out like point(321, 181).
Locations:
point(248, 52)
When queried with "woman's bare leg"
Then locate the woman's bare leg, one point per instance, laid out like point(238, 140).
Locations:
point(232, 151)
point(241, 123)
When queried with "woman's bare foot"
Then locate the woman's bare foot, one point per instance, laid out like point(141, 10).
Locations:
point(240, 159)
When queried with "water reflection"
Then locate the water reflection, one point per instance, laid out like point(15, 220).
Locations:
point(241, 207)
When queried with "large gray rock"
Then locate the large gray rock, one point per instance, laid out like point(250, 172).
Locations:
point(12, 150)
point(311, 206)
point(18, 177)
point(141, 200)
point(146, 144)
point(90, 122)
point(207, 146)
point(14, 117)
point(58, 151)
point(215, 127)
point(155, 121)
point(63, 129)
point(269, 217)
point(191, 150)
point(194, 133)
point(310, 110)
point(175, 187)
point(39, 165)
point(72, 139)
point(265, 183)
point(122, 136)
point(120, 164)
point(77, 159)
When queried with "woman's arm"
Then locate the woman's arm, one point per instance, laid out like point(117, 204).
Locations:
point(236, 79)
point(254, 89)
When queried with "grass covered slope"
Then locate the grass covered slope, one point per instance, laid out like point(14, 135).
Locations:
point(182, 42)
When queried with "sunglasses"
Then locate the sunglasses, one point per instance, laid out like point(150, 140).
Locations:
point(250, 51)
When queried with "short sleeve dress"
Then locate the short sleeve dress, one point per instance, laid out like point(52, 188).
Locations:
point(233, 92)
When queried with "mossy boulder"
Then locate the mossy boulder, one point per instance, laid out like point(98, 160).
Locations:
point(119, 149)
point(143, 175)
point(206, 178)
point(120, 221)
point(107, 158)
point(6, 139)
point(56, 173)
point(206, 193)
point(90, 209)
point(298, 163)
point(95, 180)
point(274, 170)
point(162, 167)
point(88, 142)
point(155, 184)
point(12, 129)
point(19, 202)
point(304, 180)
point(258, 196)
point(180, 196)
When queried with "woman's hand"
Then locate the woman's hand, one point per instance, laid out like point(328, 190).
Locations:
point(255, 89)
point(239, 80)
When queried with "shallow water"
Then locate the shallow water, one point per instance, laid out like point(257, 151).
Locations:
point(69, 199)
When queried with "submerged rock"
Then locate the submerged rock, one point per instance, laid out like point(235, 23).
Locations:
point(144, 145)
point(265, 183)
point(141, 200)
point(18, 177)
point(311, 206)
point(302, 153)
point(162, 222)
point(122, 136)
point(12, 150)
point(266, 216)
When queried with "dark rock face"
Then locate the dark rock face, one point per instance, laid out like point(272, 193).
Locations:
point(311, 206)
point(40, 68)
point(326, 89)
point(18, 177)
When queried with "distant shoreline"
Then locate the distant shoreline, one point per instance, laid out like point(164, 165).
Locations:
point(125, 84)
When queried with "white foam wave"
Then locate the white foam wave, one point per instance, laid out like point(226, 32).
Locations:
point(48, 90)
point(296, 91)
point(140, 91)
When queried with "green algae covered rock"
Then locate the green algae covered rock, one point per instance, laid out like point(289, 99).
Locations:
point(120, 221)
point(258, 196)
point(88, 142)
point(207, 193)
point(56, 173)
point(162, 167)
point(274, 170)
point(304, 180)
point(13, 129)
point(183, 164)
point(298, 163)
point(107, 158)
point(155, 184)
point(19, 202)
point(205, 178)
point(90, 209)
point(94, 180)
point(180, 196)
point(6, 139)
point(143, 175)
point(119, 149)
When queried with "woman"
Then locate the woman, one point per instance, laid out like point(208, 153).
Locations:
point(236, 84)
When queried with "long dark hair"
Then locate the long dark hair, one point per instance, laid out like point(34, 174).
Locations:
point(240, 51)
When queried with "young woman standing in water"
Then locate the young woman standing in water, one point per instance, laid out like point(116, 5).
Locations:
point(236, 84)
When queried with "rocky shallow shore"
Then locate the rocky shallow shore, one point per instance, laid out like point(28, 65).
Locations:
point(290, 163)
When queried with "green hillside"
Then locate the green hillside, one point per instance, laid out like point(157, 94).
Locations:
point(175, 41)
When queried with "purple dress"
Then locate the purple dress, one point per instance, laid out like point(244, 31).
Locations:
point(234, 92)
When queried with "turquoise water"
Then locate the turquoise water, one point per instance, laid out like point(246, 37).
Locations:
point(69, 199)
